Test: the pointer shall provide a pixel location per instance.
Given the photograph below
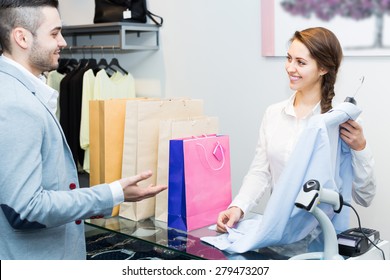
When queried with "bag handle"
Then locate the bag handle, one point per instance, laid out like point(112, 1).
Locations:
point(152, 16)
point(217, 152)
point(204, 136)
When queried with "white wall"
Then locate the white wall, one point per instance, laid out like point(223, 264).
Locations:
point(211, 49)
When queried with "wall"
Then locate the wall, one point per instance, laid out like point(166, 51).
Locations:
point(211, 49)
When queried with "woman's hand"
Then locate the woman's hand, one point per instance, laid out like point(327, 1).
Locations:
point(352, 134)
point(228, 218)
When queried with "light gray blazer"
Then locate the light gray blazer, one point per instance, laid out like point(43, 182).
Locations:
point(41, 204)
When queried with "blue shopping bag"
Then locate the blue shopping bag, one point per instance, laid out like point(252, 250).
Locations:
point(176, 191)
point(199, 181)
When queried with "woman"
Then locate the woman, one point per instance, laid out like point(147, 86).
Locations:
point(313, 60)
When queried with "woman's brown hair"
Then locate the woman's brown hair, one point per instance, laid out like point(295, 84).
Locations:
point(326, 50)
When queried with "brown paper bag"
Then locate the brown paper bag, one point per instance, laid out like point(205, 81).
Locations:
point(173, 129)
point(141, 138)
point(107, 121)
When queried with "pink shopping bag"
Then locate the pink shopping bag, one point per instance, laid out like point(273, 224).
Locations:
point(199, 185)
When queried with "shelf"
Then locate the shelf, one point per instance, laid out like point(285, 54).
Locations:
point(125, 36)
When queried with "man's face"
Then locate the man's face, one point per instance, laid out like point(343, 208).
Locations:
point(47, 42)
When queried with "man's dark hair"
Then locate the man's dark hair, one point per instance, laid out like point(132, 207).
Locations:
point(20, 13)
point(27, 3)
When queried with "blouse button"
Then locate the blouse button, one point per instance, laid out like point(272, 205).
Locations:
point(72, 186)
point(77, 222)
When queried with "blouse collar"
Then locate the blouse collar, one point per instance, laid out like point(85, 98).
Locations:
point(289, 108)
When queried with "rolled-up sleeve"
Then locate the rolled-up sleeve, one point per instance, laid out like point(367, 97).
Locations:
point(364, 183)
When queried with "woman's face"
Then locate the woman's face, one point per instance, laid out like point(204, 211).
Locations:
point(302, 69)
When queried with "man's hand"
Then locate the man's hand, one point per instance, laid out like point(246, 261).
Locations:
point(133, 192)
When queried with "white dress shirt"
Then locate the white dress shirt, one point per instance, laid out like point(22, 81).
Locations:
point(50, 95)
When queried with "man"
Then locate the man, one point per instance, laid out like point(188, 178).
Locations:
point(41, 204)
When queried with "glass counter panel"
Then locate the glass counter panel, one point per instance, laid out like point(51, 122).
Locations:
point(102, 244)
point(185, 245)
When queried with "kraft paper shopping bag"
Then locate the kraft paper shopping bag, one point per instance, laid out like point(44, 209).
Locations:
point(173, 129)
point(106, 141)
point(199, 181)
point(141, 143)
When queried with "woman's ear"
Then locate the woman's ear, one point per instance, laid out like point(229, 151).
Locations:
point(323, 71)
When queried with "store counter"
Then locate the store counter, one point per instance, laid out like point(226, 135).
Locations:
point(120, 238)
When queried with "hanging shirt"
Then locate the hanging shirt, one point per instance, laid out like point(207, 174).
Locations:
point(54, 80)
point(118, 86)
point(101, 87)
point(70, 109)
point(88, 91)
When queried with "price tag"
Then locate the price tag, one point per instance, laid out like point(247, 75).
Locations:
point(126, 14)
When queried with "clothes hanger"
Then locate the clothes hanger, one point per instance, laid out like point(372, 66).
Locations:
point(103, 64)
point(92, 63)
point(83, 62)
point(67, 64)
point(114, 64)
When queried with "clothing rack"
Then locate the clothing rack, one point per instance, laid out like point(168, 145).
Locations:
point(90, 47)
point(89, 50)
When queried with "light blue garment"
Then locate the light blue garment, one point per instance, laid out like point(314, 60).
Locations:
point(41, 204)
point(320, 154)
